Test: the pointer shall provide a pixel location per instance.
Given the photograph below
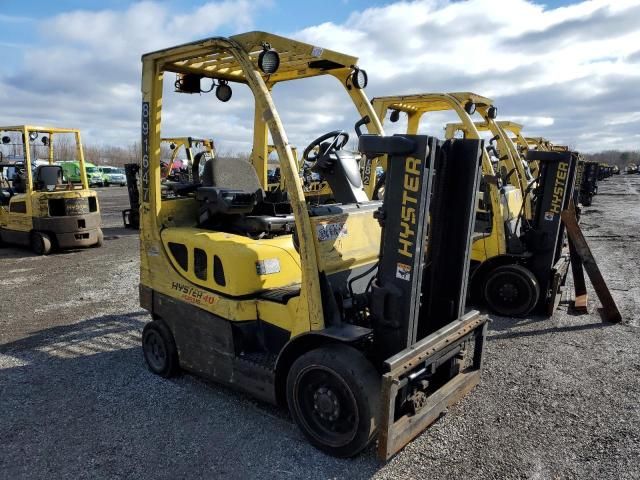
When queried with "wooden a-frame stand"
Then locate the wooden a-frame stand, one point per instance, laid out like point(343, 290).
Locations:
point(582, 258)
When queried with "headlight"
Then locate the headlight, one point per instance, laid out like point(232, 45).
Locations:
point(223, 91)
point(268, 60)
point(359, 78)
point(470, 107)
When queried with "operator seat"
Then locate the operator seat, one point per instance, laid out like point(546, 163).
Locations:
point(19, 182)
point(231, 197)
point(48, 176)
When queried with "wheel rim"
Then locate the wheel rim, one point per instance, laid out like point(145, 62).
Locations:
point(509, 292)
point(155, 351)
point(326, 406)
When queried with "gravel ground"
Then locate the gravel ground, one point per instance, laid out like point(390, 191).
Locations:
point(558, 399)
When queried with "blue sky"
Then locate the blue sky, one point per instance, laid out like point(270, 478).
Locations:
point(563, 68)
point(281, 15)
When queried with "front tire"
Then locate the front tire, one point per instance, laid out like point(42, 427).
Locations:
point(511, 290)
point(333, 394)
point(99, 240)
point(40, 243)
point(159, 349)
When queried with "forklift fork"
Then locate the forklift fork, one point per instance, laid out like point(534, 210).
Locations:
point(396, 430)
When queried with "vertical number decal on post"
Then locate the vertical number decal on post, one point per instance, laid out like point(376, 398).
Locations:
point(145, 152)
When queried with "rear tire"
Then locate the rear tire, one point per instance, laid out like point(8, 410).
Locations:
point(333, 393)
point(511, 290)
point(100, 240)
point(159, 349)
point(40, 243)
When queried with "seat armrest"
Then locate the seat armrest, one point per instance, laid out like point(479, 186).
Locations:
point(225, 201)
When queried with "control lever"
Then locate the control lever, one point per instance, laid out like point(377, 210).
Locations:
point(358, 126)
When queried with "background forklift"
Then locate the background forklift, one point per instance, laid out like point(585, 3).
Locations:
point(191, 148)
point(37, 208)
point(586, 172)
point(511, 164)
point(353, 317)
point(524, 144)
point(517, 264)
point(196, 152)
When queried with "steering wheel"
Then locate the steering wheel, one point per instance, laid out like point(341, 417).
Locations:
point(339, 139)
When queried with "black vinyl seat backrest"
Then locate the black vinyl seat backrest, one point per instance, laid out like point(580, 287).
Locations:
point(48, 176)
point(230, 173)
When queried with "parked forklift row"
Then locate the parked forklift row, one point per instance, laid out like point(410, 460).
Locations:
point(349, 307)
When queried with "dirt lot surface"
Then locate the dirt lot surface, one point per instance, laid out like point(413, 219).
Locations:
point(559, 397)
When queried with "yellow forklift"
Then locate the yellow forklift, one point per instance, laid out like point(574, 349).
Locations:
point(511, 164)
point(196, 152)
point(349, 313)
point(316, 189)
point(191, 148)
point(518, 263)
point(524, 144)
point(37, 207)
point(586, 175)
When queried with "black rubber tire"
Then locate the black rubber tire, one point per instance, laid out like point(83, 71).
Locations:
point(106, 184)
point(357, 394)
point(40, 243)
point(522, 290)
point(159, 349)
point(100, 240)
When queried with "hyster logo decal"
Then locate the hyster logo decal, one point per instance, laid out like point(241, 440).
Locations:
point(558, 188)
point(409, 202)
point(193, 295)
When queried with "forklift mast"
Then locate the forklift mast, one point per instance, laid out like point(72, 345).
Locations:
point(420, 329)
point(427, 222)
point(131, 216)
point(545, 237)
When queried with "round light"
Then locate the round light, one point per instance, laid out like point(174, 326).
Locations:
point(33, 135)
point(269, 61)
point(45, 140)
point(223, 92)
point(492, 112)
point(359, 78)
point(470, 107)
point(6, 139)
point(395, 116)
point(172, 146)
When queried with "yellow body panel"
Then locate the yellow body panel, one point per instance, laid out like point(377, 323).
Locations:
point(346, 242)
point(240, 256)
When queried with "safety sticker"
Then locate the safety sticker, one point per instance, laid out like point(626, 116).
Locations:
point(331, 231)
point(268, 266)
point(403, 271)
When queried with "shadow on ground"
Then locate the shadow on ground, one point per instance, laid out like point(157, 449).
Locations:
point(83, 404)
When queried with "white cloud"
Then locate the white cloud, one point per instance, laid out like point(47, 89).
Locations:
point(568, 73)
